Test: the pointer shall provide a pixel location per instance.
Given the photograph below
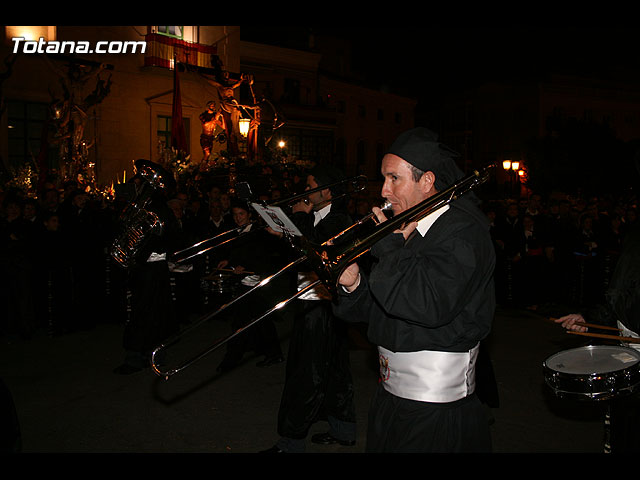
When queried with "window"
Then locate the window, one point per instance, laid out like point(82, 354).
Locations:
point(26, 121)
point(291, 93)
point(309, 145)
point(340, 156)
point(380, 151)
point(171, 31)
point(164, 130)
point(361, 157)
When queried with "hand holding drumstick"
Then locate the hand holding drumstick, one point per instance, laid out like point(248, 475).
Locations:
point(574, 323)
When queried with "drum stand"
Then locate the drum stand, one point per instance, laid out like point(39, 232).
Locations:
point(607, 429)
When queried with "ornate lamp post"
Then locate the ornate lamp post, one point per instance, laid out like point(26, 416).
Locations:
point(515, 167)
point(511, 167)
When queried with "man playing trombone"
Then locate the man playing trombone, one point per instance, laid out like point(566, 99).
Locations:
point(429, 301)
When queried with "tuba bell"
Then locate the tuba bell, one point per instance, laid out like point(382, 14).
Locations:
point(137, 223)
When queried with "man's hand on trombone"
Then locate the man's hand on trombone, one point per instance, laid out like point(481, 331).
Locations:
point(350, 278)
point(405, 230)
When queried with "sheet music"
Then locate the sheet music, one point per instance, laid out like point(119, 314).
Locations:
point(277, 219)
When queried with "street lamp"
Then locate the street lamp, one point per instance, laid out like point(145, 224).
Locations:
point(515, 167)
point(243, 126)
point(506, 164)
point(511, 167)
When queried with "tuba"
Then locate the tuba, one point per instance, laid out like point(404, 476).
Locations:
point(137, 222)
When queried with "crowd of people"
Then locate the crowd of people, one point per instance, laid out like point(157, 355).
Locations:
point(558, 250)
point(56, 265)
point(51, 252)
point(55, 262)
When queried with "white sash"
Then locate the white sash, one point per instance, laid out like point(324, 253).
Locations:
point(429, 376)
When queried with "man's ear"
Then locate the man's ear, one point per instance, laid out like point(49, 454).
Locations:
point(427, 182)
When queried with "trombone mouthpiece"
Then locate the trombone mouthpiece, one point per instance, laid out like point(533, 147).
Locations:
point(386, 205)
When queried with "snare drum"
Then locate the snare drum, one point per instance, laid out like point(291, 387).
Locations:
point(597, 372)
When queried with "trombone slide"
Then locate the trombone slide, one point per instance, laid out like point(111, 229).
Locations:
point(328, 261)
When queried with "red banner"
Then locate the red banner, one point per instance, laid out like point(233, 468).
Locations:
point(161, 50)
point(178, 137)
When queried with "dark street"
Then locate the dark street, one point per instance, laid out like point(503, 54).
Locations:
point(69, 401)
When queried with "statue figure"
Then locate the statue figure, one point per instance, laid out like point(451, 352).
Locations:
point(210, 120)
point(228, 106)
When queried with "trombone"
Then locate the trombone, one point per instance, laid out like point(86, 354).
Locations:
point(357, 183)
point(328, 261)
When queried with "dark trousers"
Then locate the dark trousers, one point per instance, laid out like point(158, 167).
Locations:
point(318, 375)
point(625, 424)
point(261, 338)
point(153, 317)
point(10, 436)
point(398, 425)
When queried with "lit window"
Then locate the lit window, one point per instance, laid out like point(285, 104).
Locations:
point(164, 129)
point(171, 31)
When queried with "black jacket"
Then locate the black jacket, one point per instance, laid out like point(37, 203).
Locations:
point(431, 293)
point(623, 295)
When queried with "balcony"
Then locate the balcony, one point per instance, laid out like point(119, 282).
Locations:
point(162, 50)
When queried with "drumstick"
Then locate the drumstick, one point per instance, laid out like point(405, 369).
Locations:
point(231, 270)
point(603, 335)
point(211, 276)
point(592, 325)
point(601, 327)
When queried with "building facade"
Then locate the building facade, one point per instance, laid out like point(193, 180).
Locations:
point(499, 121)
point(112, 107)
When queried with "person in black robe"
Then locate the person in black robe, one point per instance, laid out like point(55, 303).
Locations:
point(429, 301)
point(318, 384)
point(621, 309)
point(253, 256)
point(153, 317)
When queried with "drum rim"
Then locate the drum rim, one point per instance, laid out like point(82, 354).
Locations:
point(633, 352)
point(624, 348)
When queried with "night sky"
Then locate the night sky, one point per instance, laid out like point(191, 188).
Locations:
point(424, 62)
